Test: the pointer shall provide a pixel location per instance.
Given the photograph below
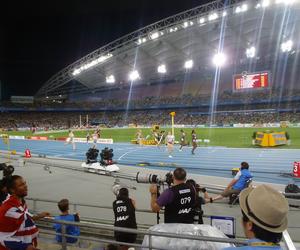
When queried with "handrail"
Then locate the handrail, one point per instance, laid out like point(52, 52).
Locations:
point(137, 231)
point(286, 237)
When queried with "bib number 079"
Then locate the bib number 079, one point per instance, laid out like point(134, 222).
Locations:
point(185, 200)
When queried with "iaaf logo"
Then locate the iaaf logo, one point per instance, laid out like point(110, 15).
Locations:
point(184, 211)
point(120, 218)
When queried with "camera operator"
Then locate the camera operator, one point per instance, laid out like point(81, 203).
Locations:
point(178, 200)
point(7, 173)
point(198, 212)
point(124, 211)
point(3, 189)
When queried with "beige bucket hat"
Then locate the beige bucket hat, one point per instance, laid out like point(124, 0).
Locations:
point(265, 207)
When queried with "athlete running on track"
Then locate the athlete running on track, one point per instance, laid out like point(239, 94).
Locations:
point(182, 140)
point(194, 141)
point(170, 143)
point(70, 139)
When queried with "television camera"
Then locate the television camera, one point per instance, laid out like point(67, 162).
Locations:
point(7, 173)
point(7, 169)
point(105, 165)
point(142, 178)
point(92, 155)
point(155, 179)
point(106, 156)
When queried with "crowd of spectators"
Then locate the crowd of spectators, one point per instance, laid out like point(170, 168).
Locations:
point(264, 106)
point(65, 120)
point(186, 99)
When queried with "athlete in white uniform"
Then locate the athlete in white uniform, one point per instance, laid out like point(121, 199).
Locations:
point(170, 139)
point(95, 138)
point(70, 139)
point(139, 137)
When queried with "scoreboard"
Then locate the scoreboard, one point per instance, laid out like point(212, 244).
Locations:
point(247, 81)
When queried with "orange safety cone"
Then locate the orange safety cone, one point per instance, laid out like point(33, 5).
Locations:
point(27, 153)
point(296, 169)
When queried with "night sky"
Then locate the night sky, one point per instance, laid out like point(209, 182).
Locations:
point(39, 38)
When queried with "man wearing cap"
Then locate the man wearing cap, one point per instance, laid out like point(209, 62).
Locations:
point(264, 212)
point(238, 183)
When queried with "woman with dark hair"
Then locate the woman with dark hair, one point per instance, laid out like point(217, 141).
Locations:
point(124, 211)
point(194, 141)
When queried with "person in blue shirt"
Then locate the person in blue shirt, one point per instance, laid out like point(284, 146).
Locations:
point(264, 217)
point(63, 206)
point(238, 183)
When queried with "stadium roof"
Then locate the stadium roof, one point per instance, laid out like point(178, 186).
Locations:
point(185, 42)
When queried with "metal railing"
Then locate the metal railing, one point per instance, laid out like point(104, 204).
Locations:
point(98, 224)
point(286, 238)
point(130, 230)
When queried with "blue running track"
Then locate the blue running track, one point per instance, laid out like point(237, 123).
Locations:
point(265, 164)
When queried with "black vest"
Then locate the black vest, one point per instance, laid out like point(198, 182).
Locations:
point(180, 210)
point(124, 213)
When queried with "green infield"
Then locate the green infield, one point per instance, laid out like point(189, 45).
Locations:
point(227, 137)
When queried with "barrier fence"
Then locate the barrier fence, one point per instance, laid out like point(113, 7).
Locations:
point(96, 225)
point(286, 238)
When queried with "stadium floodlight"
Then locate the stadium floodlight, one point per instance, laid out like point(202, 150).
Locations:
point(134, 75)
point(250, 52)
point(287, 46)
point(219, 59)
point(162, 69)
point(265, 3)
point(242, 8)
point(110, 79)
point(47, 97)
point(201, 20)
point(213, 16)
point(141, 40)
point(90, 64)
point(155, 35)
point(173, 29)
point(189, 64)
point(187, 24)
point(287, 2)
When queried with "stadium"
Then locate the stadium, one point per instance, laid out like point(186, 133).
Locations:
point(222, 78)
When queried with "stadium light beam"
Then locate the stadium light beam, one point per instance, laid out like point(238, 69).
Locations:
point(250, 52)
point(162, 69)
point(189, 64)
point(287, 2)
point(287, 46)
point(110, 79)
point(219, 59)
point(134, 75)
